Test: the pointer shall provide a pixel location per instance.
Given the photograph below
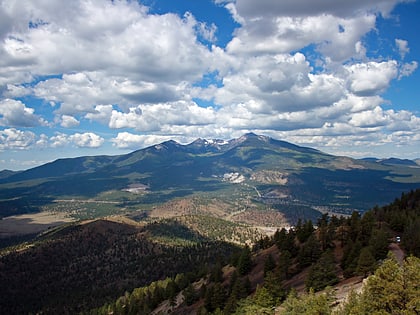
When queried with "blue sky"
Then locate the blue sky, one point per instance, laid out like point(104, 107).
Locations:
point(109, 77)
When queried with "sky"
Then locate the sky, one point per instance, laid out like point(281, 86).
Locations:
point(95, 77)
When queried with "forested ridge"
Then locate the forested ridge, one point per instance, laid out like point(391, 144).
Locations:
point(105, 267)
point(261, 280)
point(84, 266)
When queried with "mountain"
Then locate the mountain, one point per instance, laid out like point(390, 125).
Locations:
point(7, 173)
point(115, 265)
point(83, 265)
point(250, 173)
point(393, 161)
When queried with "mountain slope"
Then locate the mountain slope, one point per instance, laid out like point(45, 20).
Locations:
point(250, 170)
point(84, 265)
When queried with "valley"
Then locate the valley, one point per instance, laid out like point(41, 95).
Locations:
point(253, 180)
point(200, 228)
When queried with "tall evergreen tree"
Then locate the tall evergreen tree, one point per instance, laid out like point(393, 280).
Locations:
point(269, 264)
point(309, 252)
point(379, 243)
point(322, 273)
point(366, 263)
point(411, 236)
point(245, 261)
point(262, 297)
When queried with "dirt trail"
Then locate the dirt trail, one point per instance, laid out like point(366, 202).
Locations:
point(397, 251)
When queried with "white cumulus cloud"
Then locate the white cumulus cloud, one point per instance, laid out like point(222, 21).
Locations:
point(69, 121)
point(87, 140)
point(14, 113)
point(14, 139)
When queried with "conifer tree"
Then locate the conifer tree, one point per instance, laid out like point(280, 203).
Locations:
point(392, 289)
point(309, 252)
point(379, 243)
point(269, 264)
point(322, 273)
point(366, 263)
point(245, 261)
point(308, 304)
point(189, 295)
point(262, 297)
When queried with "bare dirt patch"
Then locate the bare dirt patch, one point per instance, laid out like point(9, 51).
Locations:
point(31, 223)
point(190, 206)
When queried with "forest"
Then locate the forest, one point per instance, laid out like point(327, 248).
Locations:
point(332, 250)
point(105, 267)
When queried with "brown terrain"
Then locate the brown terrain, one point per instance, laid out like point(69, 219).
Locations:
point(31, 223)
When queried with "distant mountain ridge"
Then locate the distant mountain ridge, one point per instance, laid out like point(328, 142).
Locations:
point(393, 161)
point(251, 169)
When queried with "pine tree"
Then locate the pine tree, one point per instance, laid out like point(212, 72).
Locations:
point(379, 243)
point(245, 261)
point(273, 282)
point(392, 289)
point(215, 297)
point(262, 297)
point(411, 237)
point(309, 252)
point(269, 264)
point(189, 295)
point(367, 223)
point(350, 258)
point(308, 304)
point(366, 263)
point(285, 240)
point(304, 231)
point(322, 273)
point(284, 263)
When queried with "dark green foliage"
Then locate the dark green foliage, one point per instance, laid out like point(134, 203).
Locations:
point(350, 258)
point(393, 289)
point(309, 252)
point(269, 264)
point(245, 261)
point(86, 265)
point(190, 296)
point(354, 226)
point(403, 217)
point(366, 262)
point(215, 297)
point(285, 261)
point(326, 232)
point(273, 283)
point(216, 274)
point(379, 243)
point(411, 237)
point(173, 231)
point(263, 297)
point(304, 230)
point(249, 307)
point(264, 242)
point(367, 223)
point(323, 273)
point(285, 240)
point(239, 288)
point(308, 304)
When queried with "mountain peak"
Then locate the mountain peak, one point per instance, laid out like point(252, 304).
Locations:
point(167, 145)
point(251, 137)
